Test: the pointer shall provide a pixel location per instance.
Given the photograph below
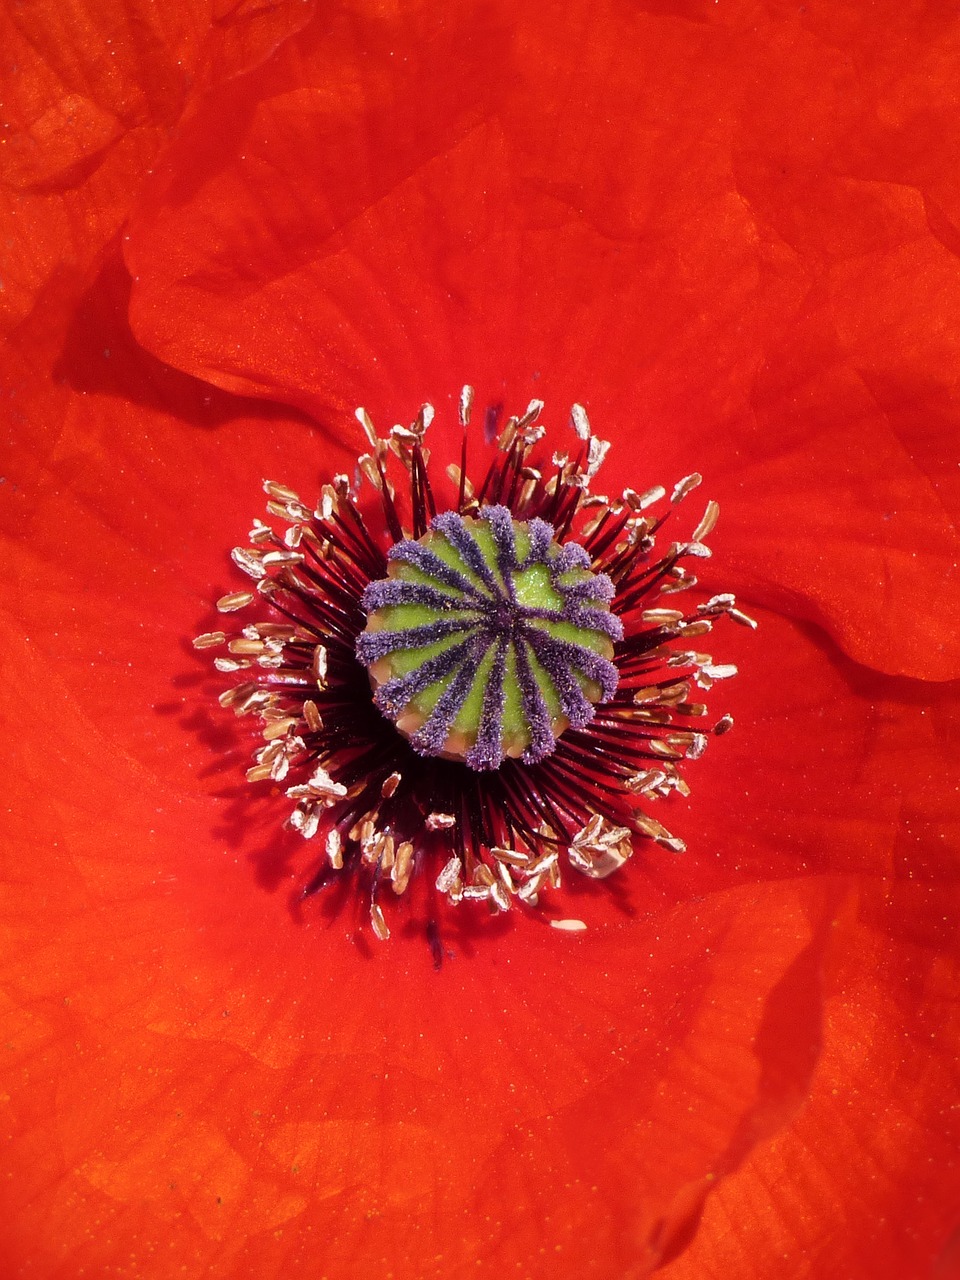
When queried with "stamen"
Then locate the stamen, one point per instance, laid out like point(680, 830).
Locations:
point(469, 695)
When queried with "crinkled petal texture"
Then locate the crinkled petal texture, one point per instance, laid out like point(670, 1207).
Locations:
point(737, 244)
point(732, 231)
point(91, 92)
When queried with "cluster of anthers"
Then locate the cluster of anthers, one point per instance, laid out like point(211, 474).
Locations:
point(475, 693)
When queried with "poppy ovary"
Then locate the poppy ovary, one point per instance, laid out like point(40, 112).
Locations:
point(488, 639)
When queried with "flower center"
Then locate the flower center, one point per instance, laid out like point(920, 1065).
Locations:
point(492, 634)
point(488, 639)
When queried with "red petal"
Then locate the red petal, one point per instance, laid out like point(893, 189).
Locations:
point(261, 1084)
point(852, 1186)
point(451, 225)
point(94, 89)
point(746, 1063)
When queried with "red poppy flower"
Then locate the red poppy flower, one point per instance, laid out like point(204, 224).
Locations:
point(730, 230)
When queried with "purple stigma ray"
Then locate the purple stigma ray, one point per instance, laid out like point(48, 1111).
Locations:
point(599, 588)
point(542, 739)
point(429, 563)
point(374, 645)
point(541, 535)
point(563, 656)
point(487, 753)
point(505, 541)
point(572, 556)
point(394, 591)
point(431, 738)
point(455, 531)
point(394, 695)
point(595, 620)
point(589, 619)
point(576, 705)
